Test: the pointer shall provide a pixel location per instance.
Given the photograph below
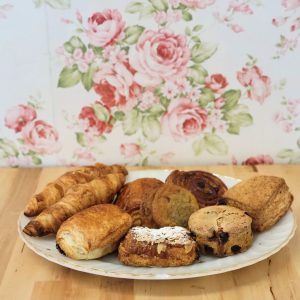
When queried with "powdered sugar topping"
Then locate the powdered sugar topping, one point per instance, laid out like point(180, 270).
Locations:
point(169, 235)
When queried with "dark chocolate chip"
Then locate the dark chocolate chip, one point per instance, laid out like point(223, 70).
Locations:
point(208, 249)
point(60, 250)
point(213, 237)
point(222, 201)
point(201, 184)
point(223, 236)
point(235, 248)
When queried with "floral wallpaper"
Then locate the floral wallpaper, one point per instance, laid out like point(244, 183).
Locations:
point(149, 82)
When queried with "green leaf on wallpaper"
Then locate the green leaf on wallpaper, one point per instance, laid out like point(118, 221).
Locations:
point(58, 4)
point(286, 153)
point(150, 128)
point(197, 74)
point(132, 122)
point(241, 119)
point(132, 34)
point(199, 147)
point(119, 115)
point(188, 31)
point(197, 28)
point(157, 110)
point(298, 143)
point(80, 139)
point(97, 50)
point(164, 102)
point(145, 161)
point(7, 148)
point(196, 39)
point(233, 128)
point(186, 16)
point(215, 145)
point(202, 51)
point(36, 160)
point(87, 78)
point(74, 43)
point(161, 5)
point(231, 98)
point(101, 112)
point(134, 7)
point(206, 96)
point(69, 77)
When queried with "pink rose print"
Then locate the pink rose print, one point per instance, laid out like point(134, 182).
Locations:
point(290, 4)
point(236, 28)
point(197, 3)
point(184, 119)
point(259, 85)
point(243, 8)
point(130, 150)
point(216, 82)
point(258, 160)
point(166, 158)
point(148, 100)
point(159, 55)
point(116, 86)
point(105, 28)
point(17, 117)
point(219, 102)
point(84, 154)
point(41, 137)
point(88, 113)
point(279, 21)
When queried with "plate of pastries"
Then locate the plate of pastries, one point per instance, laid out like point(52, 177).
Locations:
point(157, 224)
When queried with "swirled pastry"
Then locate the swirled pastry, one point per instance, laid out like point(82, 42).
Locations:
point(93, 232)
point(206, 187)
point(135, 197)
point(221, 230)
point(164, 247)
point(172, 205)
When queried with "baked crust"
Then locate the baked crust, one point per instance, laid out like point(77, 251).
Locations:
point(164, 247)
point(93, 232)
point(221, 230)
point(135, 197)
point(206, 187)
point(265, 198)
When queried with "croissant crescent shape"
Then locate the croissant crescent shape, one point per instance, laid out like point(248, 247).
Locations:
point(206, 187)
point(56, 190)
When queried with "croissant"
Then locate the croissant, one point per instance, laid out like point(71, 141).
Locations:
point(206, 187)
point(56, 190)
point(81, 196)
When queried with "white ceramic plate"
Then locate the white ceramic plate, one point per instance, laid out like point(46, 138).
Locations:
point(265, 244)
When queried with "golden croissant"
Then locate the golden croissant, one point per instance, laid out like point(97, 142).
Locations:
point(56, 190)
point(81, 196)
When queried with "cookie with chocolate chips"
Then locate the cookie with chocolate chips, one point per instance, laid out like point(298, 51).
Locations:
point(221, 230)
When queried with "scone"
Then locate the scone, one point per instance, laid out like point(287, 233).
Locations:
point(164, 247)
point(221, 230)
point(265, 198)
point(205, 186)
point(135, 197)
point(172, 205)
point(93, 232)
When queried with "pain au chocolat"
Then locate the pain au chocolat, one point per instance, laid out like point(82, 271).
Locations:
point(205, 186)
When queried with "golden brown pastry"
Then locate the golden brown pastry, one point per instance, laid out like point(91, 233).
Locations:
point(133, 194)
point(221, 230)
point(79, 197)
point(265, 198)
point(172, 205)
point(206, 187)
point(56, 190)
point(164, 247)
point(93, 232)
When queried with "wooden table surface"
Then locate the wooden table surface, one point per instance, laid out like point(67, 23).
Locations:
point(25, 275)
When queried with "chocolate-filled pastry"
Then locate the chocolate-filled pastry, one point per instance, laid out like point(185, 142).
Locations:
point(221, 230)
point(135, 193)
point(93, 232)
point(206, 187)
point(265, 198)
point(164, 247)
point(172, 205)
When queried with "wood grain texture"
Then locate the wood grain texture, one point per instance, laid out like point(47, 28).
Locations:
point(24, 275)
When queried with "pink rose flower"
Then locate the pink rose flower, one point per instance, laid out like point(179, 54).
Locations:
point(18, 116)
point(105, 28)
point(216, 82)
point(258, 160)
point(130, 150)
point(219, 102)
point(290, 4)
point(159, 56)
point(84, 154)
point(41, 137)
point(184, 119)
point(88, 113)
point(236, 28)
point(279, 21)
point(296, 25)
point(243, 8)
point(259, 85)
point(116, 86)
point(166, 157)
point(197, 3)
